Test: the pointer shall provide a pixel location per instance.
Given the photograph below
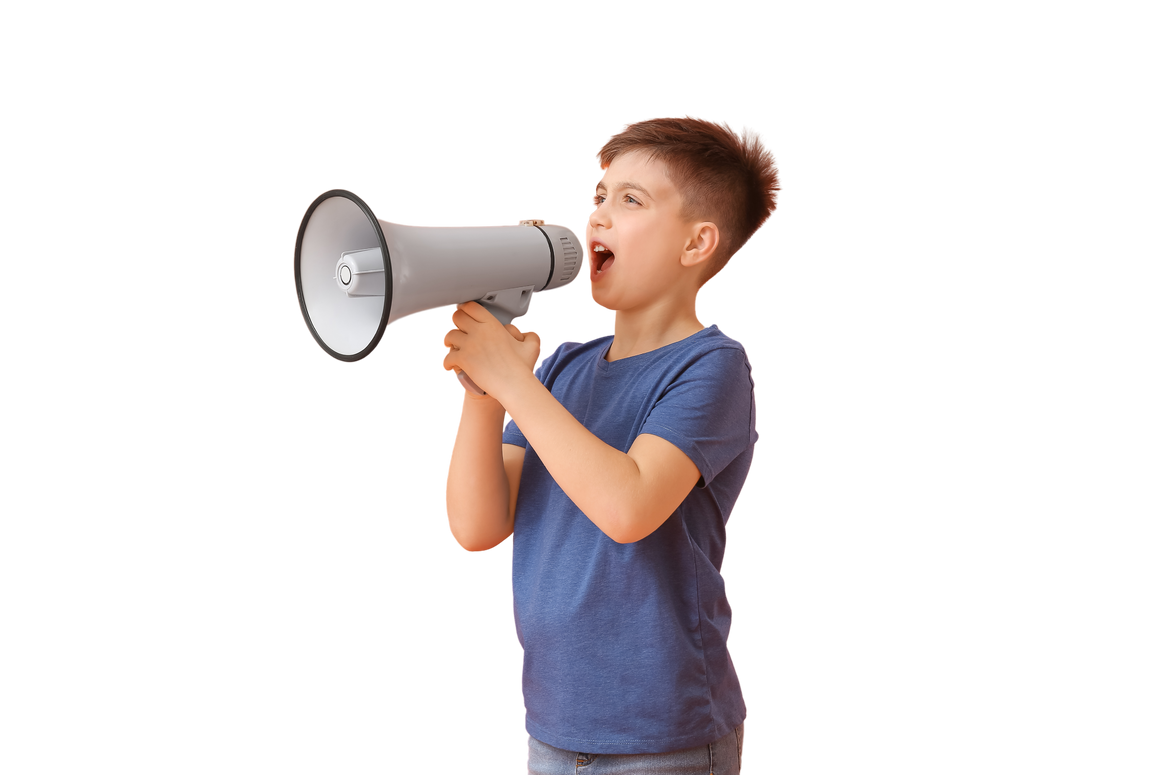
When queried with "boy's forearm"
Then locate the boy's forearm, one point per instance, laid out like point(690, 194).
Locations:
point(479, 512)
point(604, 482)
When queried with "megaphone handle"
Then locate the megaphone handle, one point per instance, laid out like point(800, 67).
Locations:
point(505, 316)
point(468, 384)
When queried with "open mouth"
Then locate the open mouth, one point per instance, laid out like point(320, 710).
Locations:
point(602, 257)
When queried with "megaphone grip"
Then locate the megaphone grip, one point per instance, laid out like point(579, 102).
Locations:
point(468, 384)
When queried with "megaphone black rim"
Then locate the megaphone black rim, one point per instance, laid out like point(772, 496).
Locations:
point(386, 266)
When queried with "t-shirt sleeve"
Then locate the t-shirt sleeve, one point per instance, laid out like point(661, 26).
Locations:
point(512, 434)
point(708, 411)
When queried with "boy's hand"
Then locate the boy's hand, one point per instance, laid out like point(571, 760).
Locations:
point(493, 355)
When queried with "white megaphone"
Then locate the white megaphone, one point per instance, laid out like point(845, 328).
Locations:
point(355, 274)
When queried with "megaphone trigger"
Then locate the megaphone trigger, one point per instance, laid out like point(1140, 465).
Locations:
point(468, 384)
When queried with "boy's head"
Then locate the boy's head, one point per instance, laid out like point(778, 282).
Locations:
point(722, 178)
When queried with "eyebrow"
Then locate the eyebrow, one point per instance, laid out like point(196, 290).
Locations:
point(625, 185)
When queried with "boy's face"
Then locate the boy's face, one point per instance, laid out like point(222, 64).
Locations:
point(635, 235)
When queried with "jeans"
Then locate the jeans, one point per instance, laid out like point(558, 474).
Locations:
point(722, 757)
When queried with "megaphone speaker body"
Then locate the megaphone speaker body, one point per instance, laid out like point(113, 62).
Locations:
point(355, 273)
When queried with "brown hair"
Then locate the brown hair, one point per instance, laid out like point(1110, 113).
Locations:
point(723, 178)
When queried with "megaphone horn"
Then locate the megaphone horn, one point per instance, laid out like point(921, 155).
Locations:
point(355, 274)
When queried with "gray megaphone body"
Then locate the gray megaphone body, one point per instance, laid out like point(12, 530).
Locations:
point(355, 273)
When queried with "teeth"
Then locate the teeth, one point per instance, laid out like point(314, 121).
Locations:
point(598, 248)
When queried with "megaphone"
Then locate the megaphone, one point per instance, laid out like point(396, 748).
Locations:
point(355, 273)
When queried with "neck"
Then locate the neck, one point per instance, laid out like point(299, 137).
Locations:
point(631, 337)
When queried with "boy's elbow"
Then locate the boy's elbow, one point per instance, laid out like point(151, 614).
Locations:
point(622, 531)
point(610, 521)
point(624, 538)
point(628, 527)
point(629, 513)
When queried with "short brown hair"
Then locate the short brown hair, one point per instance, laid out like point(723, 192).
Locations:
point(723, 178)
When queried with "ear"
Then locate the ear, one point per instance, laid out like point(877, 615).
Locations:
point(701, 245)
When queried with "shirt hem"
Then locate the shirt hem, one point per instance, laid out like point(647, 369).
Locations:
point(629, 745)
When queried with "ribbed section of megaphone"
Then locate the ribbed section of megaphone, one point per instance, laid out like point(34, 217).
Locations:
point(355, 273)
point(567, 254)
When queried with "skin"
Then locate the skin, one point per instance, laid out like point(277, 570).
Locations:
point(660, 258)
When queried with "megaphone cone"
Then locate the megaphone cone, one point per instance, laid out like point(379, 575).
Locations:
point(355, 274)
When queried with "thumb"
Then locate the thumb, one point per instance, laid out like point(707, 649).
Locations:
point(516, 334)
point(530, 348)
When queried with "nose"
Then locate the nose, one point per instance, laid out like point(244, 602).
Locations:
point(600, 216)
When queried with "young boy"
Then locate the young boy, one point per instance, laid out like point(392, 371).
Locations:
point(627, 454)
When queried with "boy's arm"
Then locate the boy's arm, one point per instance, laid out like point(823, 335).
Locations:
point(627, 495)
point(477, 489)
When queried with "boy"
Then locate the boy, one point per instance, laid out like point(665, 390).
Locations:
point(628, 454)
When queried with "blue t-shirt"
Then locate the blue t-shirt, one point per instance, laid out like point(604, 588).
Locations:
point(625, 644)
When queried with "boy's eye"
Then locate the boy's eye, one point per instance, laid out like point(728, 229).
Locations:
point(597, 200)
